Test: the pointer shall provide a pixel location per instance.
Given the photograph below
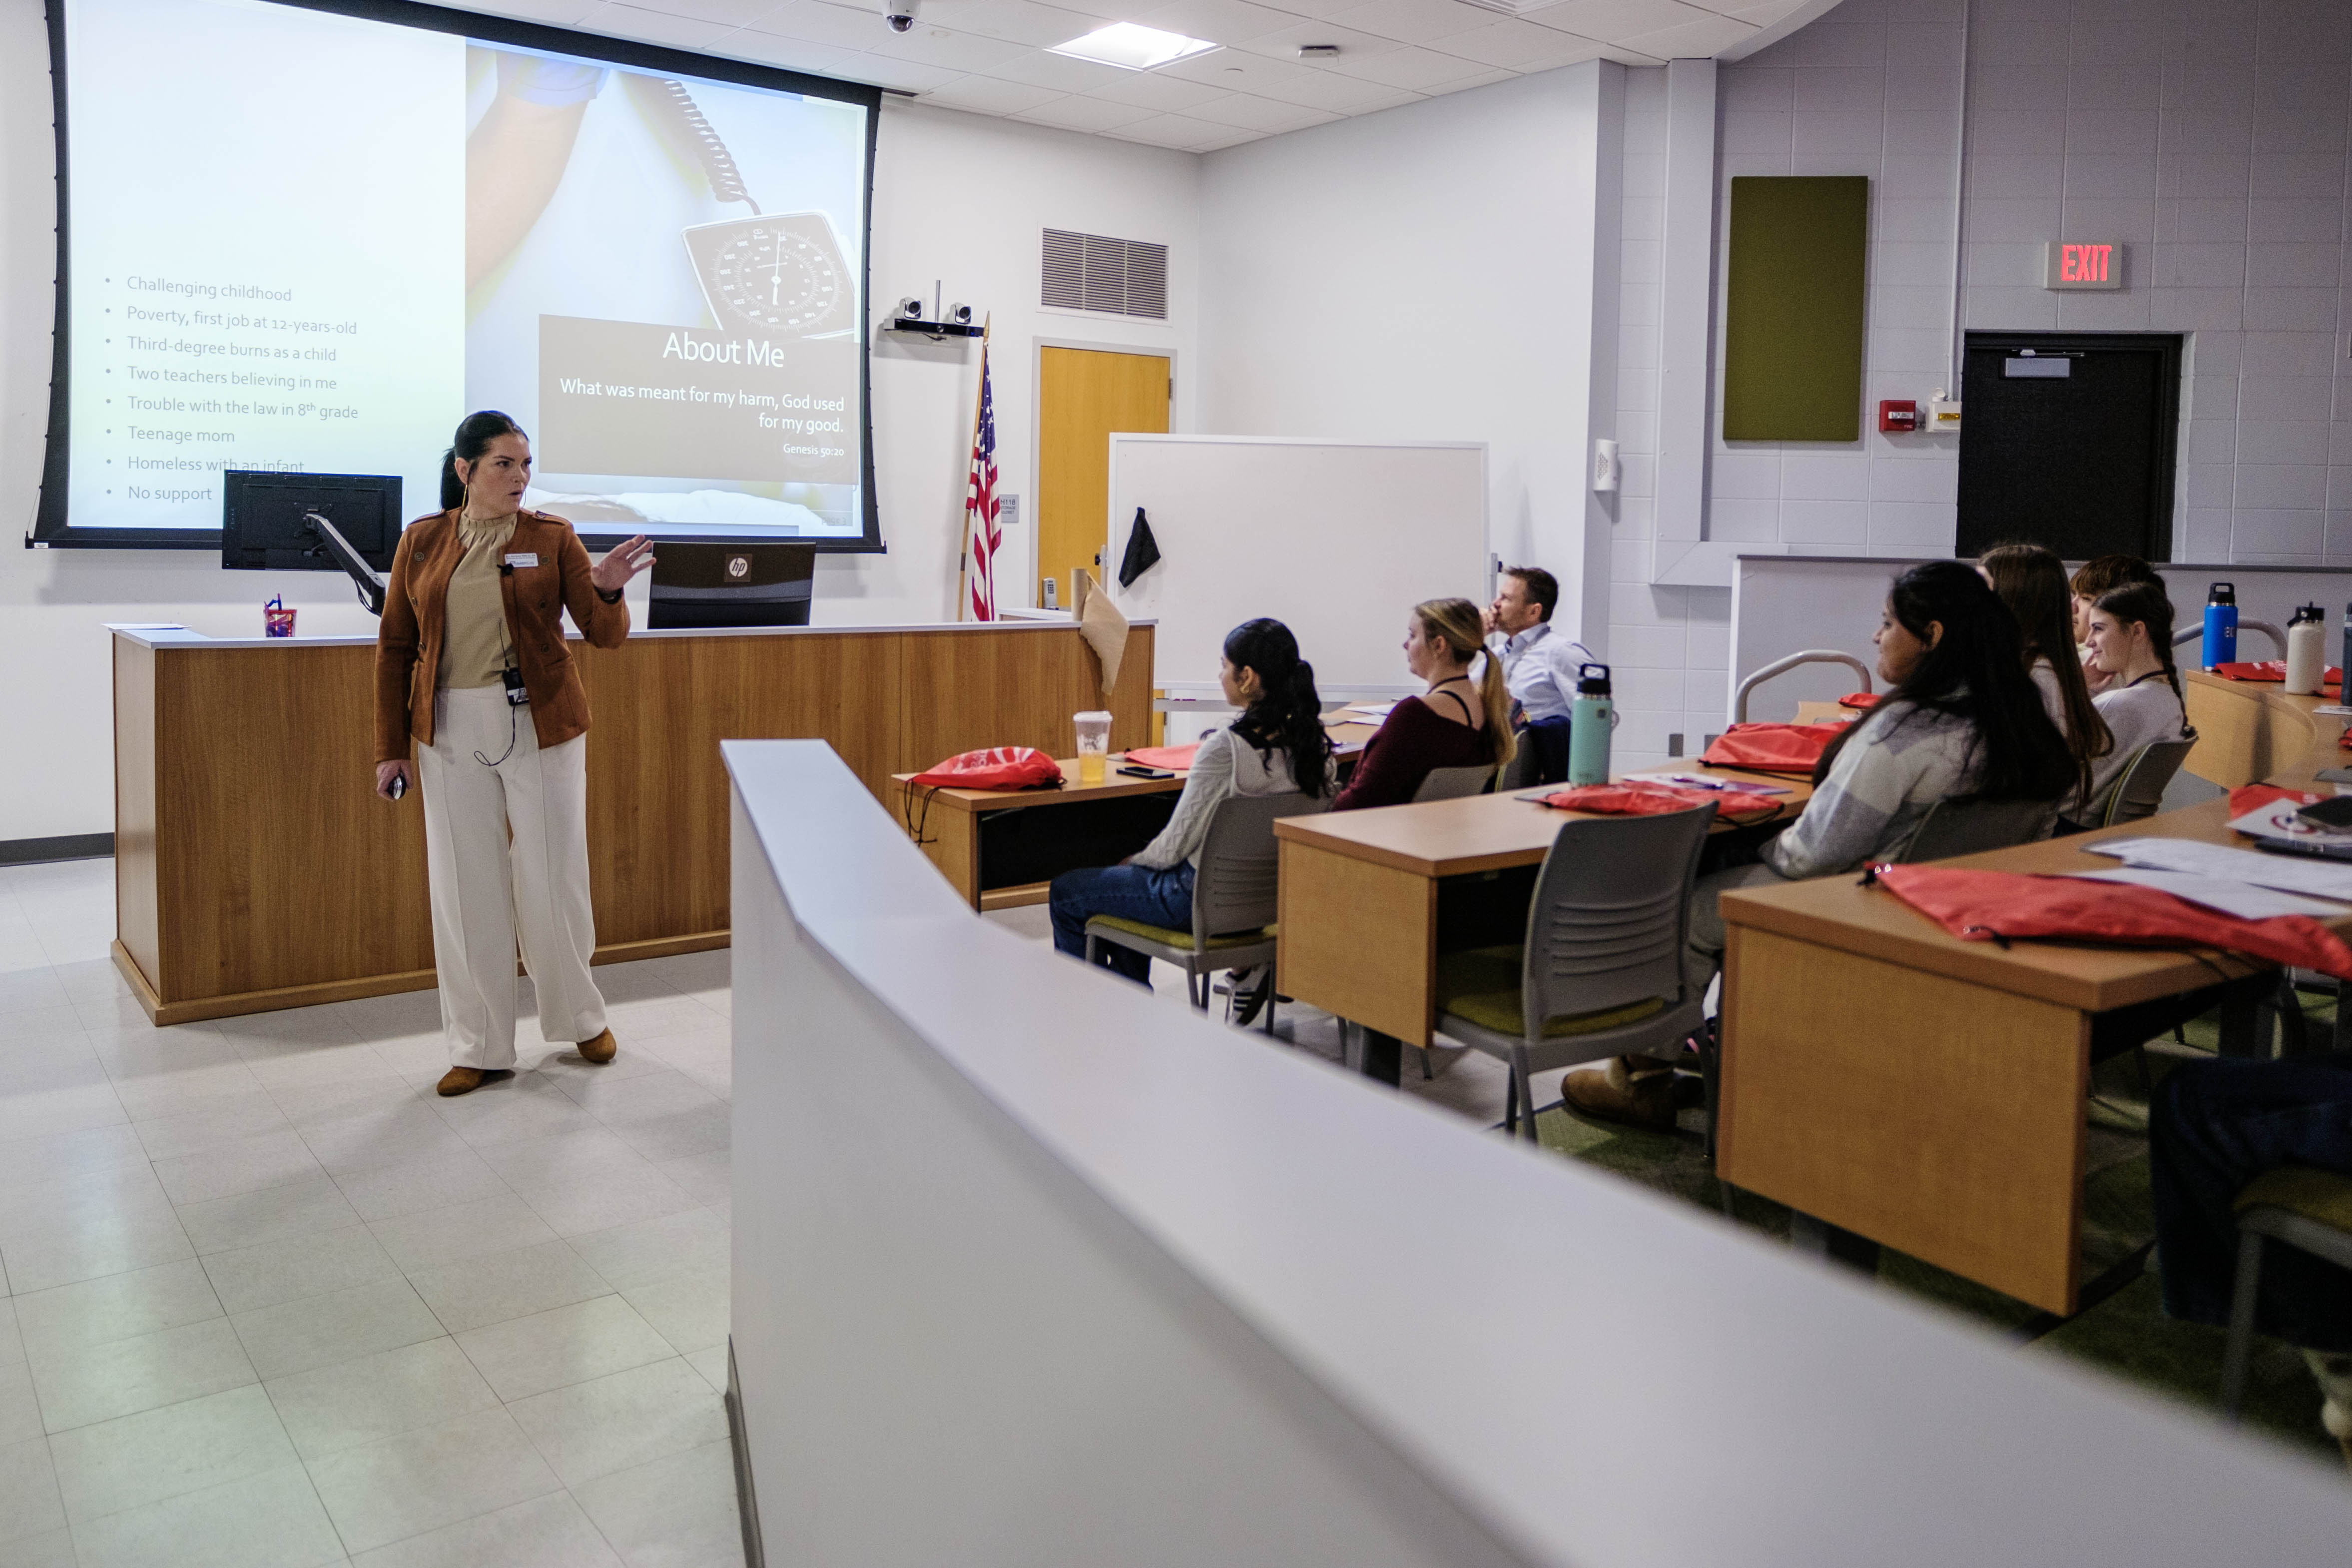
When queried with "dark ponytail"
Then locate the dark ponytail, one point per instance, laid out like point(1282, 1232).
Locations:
point(1976, 673)
point(2031, 582)
point(1287, 713)
point(475, 434)
point(2146, 603)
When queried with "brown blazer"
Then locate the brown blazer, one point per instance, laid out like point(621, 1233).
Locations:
point(408, 639)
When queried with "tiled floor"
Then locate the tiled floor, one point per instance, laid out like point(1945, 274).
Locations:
point(272, 1303)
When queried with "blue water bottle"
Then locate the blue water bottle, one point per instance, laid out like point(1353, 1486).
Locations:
point(2220, 626)
point(1590, 718)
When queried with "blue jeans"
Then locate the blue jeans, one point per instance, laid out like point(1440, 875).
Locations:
point(1130, 892)
point(2213, 1127)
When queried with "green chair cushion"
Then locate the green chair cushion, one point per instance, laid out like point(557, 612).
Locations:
point(1483, 986)
point(1166, 937)
point(2323, 1198)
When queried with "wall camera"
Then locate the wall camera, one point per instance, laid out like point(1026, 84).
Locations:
point(899, 14)
point(911, 310)
point(960, 314)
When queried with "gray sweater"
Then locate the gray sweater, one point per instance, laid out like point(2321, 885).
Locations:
point(1902, 760)
point(1225, 765)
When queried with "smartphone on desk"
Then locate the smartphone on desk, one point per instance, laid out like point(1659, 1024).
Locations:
point(1138, 770)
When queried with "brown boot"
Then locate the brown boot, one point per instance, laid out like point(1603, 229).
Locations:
point(466, 1080)
point(601, 1049)
point(1634, 1091)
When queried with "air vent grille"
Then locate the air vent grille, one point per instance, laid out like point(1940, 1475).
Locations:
point(1117, 276)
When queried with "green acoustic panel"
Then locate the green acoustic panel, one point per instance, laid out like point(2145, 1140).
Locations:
point(1793, 312)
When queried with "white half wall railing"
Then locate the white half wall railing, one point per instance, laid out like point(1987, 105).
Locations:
point(1031, 1269)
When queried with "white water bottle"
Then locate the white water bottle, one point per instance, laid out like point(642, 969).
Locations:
point(2307, 651)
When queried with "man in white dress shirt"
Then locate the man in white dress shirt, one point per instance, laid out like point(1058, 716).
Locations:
point(1539, 665)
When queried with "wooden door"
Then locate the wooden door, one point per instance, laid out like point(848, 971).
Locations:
point(1084, 395)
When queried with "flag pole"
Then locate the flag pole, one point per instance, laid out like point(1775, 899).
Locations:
point(963, 553)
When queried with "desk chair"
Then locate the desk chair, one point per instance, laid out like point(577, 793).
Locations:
point(1233, 902)
point(1600, 972)
point(1454, 783)
point(2140, 791)
point(2307, 1209)
point(1971, 827)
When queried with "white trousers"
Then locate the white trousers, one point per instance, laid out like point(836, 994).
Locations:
point(506, 848)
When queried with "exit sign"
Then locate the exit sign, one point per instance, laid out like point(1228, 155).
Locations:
point(2084, 265)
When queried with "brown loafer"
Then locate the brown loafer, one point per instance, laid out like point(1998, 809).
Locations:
point(601, 1049)
point(466, 1080)
point(1646, 1098)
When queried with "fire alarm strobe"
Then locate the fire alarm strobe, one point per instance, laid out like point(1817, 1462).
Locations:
point(1898, 413)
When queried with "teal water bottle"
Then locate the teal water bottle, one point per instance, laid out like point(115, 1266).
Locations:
point(1590, 719)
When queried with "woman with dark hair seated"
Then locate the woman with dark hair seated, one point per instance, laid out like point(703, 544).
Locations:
point(2031, 582)
point(1277, 744)
point(1962, 721)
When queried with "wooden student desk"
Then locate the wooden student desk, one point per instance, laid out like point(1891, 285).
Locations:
point(1886, 1079)
point(1361, 891)
point(997, 856)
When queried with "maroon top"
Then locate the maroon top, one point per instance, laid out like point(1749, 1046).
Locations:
point(1416, 741)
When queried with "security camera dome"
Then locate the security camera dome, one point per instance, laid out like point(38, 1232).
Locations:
point(900, 23)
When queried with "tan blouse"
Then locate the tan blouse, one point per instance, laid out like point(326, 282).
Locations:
point(478, 644)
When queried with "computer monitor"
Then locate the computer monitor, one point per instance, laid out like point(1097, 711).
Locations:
point(706, 585)
point(262, 526)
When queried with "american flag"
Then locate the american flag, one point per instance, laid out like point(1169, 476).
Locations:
point(981, 535)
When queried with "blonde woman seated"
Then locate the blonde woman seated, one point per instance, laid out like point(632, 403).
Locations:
point(1456, 723)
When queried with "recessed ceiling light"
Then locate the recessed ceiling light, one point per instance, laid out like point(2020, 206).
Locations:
point(1131, 47)
point(1319, 51)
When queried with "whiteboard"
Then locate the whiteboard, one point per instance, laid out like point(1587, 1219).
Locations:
point(1335, 539)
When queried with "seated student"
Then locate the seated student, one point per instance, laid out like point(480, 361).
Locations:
point(2214, 1126)
point(2131, 647)
point(1456, 723)
point(2098, 575)
point(1277, 745)
point(1960, 719)
point(1539, 665)
point(2033, 582)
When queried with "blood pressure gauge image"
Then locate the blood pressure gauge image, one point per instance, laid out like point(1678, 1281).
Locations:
point(783, 273)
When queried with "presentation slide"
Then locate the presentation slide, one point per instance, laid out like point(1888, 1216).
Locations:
point(310, 243)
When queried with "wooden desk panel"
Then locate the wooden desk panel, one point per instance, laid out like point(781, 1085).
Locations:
point(256, 869)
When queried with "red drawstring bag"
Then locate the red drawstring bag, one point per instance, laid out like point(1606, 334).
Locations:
point(1861, 702)
point(1772, 747)
point(2271, 670)
point(2248, 797)
point(2003, 905)
point(1647, 798)
point(998, 768)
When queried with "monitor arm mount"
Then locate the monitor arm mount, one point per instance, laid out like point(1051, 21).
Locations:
point(369, 581)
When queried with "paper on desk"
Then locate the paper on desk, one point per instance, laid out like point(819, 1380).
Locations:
point(1706, 781)
point(2240, 899)
point(2319, 878)
point(1371, 710)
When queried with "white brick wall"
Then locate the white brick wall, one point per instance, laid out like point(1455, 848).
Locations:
point(2212, 136)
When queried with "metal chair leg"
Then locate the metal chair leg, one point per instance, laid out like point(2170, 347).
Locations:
point(1426, 1074)
point(1511, 1105)
point(2240, 1349)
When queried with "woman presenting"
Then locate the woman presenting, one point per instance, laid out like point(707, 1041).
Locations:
point(470, 666)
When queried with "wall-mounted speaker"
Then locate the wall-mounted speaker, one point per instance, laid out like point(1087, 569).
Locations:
point(705, 585)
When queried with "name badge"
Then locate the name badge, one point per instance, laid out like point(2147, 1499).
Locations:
point(523, 558)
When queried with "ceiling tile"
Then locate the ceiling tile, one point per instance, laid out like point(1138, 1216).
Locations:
point(815, 22)
point(1284, 45)
point(1411, 21)
point(1175, 130)
point(925, 46)
point(1313, 8)
point(1169, 95)
point(986, 95)
point(562, 13)
point(1059, 72)
point(1764, 16)
point(884, 71)
point(1219, 21)
point(1610, 20)
point(1236, 72)
point(1083, 114)
point(1520, 45)
point(725, 12)
point(1252, 113)
point(1341, 95)
point(1467, 83)
point(1238, 137)
point(1016, 21)
point(792, 53)
point(651, 26)
point(1701, 38)
point(1422, 70)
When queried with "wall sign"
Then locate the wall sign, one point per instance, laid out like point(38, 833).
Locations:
point(2084, 264)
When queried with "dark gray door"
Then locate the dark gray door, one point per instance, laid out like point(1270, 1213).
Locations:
point(2067, 441)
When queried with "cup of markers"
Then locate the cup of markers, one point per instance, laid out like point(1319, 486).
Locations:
point(276, 621)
